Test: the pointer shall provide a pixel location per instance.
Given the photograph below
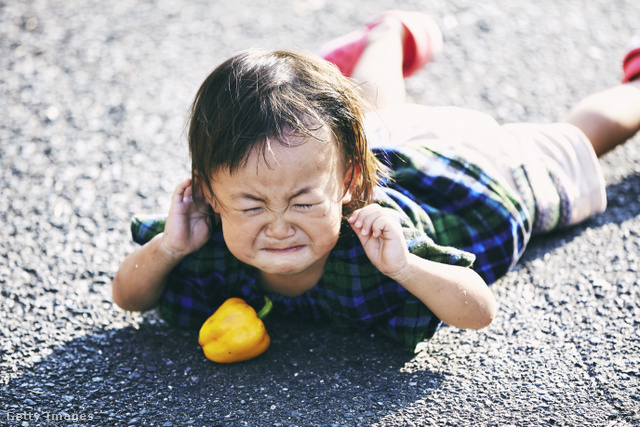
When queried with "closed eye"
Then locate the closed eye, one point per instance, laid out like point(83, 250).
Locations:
point(251, 210)
point(303, 207)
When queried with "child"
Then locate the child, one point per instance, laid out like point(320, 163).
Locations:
point(395, 219)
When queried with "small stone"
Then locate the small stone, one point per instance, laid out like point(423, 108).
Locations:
point(52, 113)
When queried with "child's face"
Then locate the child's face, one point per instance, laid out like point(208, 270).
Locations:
point(283, 216)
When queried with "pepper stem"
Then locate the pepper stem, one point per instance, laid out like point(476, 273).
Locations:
point(268, 305)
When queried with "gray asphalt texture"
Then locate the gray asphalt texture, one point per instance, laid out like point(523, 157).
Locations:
point(93, 102)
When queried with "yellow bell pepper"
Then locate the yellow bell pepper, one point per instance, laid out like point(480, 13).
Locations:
point(235, 332)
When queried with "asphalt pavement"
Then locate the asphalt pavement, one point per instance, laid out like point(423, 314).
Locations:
point(93, 102)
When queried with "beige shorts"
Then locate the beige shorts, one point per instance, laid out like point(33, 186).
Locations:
point(551, 167)
point(562, 169)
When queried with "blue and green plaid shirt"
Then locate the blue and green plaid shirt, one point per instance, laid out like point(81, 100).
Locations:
point(451, 212)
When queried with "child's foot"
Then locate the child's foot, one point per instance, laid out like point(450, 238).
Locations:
point(631, 62)
point(422, 42)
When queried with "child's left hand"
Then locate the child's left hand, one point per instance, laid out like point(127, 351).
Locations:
point(382, 238)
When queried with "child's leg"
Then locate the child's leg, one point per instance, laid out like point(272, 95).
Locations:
point(379, 69)
point(609, 118)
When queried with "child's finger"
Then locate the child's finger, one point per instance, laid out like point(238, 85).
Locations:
point(357, 217)
point(366, 219)
point(188, 193)
point(353, 218)
point(178, 193)
point(379, 226)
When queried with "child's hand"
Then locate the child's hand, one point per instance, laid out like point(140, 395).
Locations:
point(187, 227)
point(382, 239)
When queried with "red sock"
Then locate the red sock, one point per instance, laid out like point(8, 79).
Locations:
point(631, 65)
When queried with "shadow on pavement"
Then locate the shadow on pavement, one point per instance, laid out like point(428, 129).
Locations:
point(310, 372)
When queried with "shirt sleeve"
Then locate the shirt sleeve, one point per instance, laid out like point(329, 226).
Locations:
point(409, 321)
point(146, 227)
point(183, 302)
point(459, 204)
point(354, 294)
point(414, 222)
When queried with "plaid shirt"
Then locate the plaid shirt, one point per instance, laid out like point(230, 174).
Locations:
point(450, 211)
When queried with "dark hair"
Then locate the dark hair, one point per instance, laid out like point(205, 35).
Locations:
point(257, 97)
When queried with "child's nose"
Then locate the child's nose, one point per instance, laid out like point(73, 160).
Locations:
point(279, 228)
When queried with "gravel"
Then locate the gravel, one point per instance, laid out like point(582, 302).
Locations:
point(94, 97)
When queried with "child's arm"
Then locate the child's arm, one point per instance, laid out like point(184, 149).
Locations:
point(456, 295)
point(141, 278)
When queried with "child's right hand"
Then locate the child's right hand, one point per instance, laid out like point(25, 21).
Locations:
point(141, 279)
point(187, 227)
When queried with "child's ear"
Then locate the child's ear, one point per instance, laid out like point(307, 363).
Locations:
point(350, 183)
point(203, 189)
